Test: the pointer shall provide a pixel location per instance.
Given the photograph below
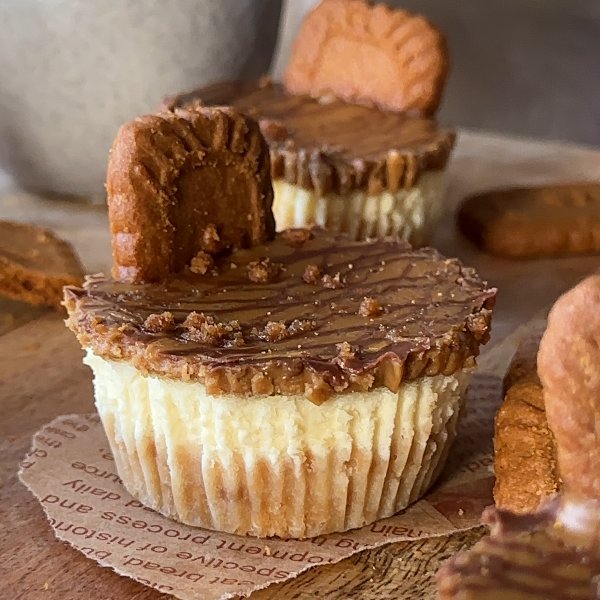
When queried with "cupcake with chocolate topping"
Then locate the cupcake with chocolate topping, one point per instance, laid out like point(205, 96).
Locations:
point(292, 384)
point(354, 144)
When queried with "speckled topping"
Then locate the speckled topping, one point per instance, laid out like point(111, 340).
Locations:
point(310, 312)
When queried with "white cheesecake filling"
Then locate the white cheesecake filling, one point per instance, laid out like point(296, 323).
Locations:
point(275, 465)
point(411, 213)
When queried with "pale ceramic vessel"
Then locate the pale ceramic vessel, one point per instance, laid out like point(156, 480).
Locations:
point(73, 70)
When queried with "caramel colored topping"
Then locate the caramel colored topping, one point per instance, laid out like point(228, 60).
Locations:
point(290, 330)
point(327, 148)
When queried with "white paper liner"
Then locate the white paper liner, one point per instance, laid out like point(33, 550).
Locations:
point(72, 473)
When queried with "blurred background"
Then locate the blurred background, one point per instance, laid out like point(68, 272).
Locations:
point(73, 70)
point(524, 67)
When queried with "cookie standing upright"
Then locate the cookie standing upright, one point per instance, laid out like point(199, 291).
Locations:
point(354, 143)
point(369, 54)
point(552, 553)
point(183, 183)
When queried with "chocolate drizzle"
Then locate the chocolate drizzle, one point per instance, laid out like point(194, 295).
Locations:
point(525, 556)
point(434, 314)
point(323, 145)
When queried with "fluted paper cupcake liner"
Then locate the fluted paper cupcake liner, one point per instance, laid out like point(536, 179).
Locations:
point(275, 465)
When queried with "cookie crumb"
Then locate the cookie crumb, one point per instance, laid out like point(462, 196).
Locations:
point(345, 351)
point(312, 274)
point(263, 270)
point(210, 242)
point(301, 326)
point(274, 331)
point(296, 237)
point(201, 263)
point(207, 330)
point(333, 283)
point(370, 307)
point(160, 323)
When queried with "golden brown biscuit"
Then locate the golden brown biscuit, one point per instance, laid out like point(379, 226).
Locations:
point(524, 447)
point(534, 222)
point(569, 368)
point(369, 54)
point(185, 182)
point(35, 264)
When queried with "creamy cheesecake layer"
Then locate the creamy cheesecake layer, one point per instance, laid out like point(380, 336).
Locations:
point(275, 465)
point(410, 213)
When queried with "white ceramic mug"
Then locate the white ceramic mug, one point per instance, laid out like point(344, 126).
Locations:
point(71, 71)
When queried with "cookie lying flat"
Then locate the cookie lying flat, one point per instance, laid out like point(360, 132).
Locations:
point(35, 264)
point(534, 222)
point(525, 451)
point(369, 54)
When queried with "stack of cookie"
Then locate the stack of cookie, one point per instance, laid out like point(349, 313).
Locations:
point(354, 145)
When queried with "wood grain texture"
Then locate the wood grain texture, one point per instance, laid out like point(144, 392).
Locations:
point(41, 377)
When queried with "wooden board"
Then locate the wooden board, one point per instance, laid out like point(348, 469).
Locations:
point(41, 376)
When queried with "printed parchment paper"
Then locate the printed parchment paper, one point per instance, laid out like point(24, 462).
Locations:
point(72, 473)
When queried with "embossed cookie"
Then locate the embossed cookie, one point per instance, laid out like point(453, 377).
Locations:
point(369, 54)
point(534, 222)
point(524, 447)
point(35, 264)
point(554, 552)
point(184, 184)
point(569, 368)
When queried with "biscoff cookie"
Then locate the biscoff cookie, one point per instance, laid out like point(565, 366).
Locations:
point(185, 184)
point(524, 447)
point(554, 552)
point(370, 54)
point(557, 220)
point(35, 264)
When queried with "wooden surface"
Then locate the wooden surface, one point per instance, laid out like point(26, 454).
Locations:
point(41, 376)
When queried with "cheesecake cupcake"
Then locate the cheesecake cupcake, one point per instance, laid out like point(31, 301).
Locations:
point(289, 384)
point(354, 144)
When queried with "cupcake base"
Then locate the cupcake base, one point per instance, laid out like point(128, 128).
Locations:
point(275, 465)
point(411, 213)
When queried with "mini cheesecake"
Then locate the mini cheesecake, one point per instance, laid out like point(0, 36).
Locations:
point(348, 168)
point(305, 385)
